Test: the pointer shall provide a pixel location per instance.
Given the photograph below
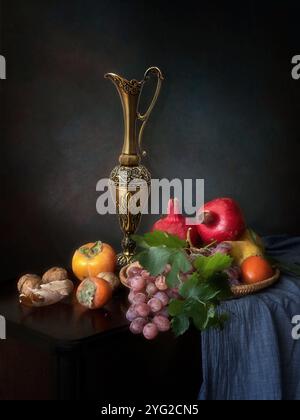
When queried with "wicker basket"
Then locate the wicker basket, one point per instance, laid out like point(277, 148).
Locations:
point(245, 289)
point(237, 291)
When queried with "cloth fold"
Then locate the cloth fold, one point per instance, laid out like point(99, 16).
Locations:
point(255, 357)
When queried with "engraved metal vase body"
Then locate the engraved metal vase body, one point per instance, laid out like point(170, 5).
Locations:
point(130, 181)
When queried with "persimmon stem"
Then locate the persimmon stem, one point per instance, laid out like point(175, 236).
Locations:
point(91, 252)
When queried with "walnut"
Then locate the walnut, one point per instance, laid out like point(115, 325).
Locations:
point(54, 274)
point(111, 278)
point(52, 288)
point(48, 294)
point(29, 282)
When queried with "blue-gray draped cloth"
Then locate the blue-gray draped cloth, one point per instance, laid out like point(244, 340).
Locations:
point(255, 357)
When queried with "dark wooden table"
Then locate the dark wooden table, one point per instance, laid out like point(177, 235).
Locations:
point(65, 352)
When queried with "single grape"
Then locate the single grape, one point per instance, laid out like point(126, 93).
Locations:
point(155, 305)
point(131, 314)
point(173, 293)
point(151, 289)
point(160, 283)
point(137, 283)
point(129, 280)
point(150, 331)
point(234, 274)
point(222, 248)
point(131, 296)
point(234, 282)
point(139, 298)
point(137, 325)
point(164, 312)
point(142, 309)
point(162, 323)
point(134, 271)
point(145, 274)
point(163, 297)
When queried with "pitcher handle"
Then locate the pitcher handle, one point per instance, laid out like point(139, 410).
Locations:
point(144, 117)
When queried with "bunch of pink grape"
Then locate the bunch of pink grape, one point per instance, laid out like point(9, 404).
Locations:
point(149, 298)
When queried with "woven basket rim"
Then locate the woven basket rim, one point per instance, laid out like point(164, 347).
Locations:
point(245, 289)
point(237, 291)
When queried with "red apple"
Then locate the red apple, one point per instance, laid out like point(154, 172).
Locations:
point(223, 221)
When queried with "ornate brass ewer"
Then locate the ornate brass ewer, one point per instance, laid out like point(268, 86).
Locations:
point(130, 177)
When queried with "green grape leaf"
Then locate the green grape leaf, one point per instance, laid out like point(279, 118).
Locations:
point(154, 259)
point(158, 238)
point(211, 315)
point(201, 313)
point(190, 288)
point(208, 266)
point(180, 264)
point(173, 277)
point(176, 307)
point(179, 258)
point(180, 324)
point(199, 316)
point(220, 283)
point(203, 292)
point(218, 321)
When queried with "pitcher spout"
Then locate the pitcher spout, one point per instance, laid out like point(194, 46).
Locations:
point(129, 92)
point(129, 87)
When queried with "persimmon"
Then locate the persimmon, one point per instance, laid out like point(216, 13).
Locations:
point(94, 293)
point(92, 259)
point(256, 269)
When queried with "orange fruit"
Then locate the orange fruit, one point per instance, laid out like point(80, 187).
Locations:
point(256, 269)
point(92, 259)
point(94, 293)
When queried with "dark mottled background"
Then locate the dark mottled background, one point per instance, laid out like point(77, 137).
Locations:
point(229, 112)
